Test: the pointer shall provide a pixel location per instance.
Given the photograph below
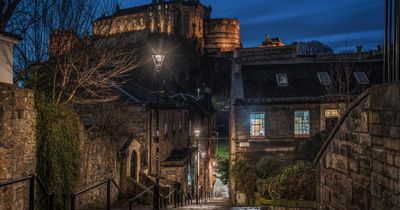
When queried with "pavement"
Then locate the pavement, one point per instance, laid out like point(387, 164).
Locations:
point(217, 203)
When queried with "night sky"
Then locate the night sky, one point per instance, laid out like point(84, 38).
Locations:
point(342, 24)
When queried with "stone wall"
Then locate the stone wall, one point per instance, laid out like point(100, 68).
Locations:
point(111, 136)
point(17, 144)
point(279, 127)
point(359, 164)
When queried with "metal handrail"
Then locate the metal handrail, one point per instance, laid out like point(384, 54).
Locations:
point(133, 181)
point(32, 178)
point(142, 193)
point(108, 202)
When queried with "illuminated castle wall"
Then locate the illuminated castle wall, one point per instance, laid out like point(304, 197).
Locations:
point(222, 34)
point(185, 18)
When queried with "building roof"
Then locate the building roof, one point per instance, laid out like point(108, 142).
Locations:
point(260, 81)
point(139, 94)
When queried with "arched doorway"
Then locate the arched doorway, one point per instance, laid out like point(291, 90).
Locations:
point(134, 165)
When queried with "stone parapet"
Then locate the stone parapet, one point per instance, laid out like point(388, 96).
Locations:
point(360, 166)
point(17, 143)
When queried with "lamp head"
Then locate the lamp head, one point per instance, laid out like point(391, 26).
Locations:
point(197, 132)
point(158, 61)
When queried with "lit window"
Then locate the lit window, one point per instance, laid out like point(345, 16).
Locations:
point(332, 113)
point(324, 78)
point(302, 123)
point(159, 7)
point(165, 123)
point(361, 78)
point(257, 124)
point(151, 14)
point(141, 21)
point(282, 80)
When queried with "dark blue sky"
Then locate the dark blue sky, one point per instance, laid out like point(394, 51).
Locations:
point(342, 24)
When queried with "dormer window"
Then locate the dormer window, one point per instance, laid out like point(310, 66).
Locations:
point(324, 78)
point(282, 80)
point(361, 78)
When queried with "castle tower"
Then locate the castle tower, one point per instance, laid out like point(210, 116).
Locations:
point(222, 35)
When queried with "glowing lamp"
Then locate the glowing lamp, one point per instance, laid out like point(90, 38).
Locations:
point(158, 62)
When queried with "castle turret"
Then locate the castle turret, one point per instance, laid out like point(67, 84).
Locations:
point(222, 34)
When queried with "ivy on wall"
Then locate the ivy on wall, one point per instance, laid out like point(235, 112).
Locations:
point(58, 154)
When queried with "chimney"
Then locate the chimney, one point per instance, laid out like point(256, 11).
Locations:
point(7, 43)
point(62, 42)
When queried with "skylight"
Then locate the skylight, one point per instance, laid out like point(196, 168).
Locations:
point(361, 78)
point(282, 80)
point(324, 78)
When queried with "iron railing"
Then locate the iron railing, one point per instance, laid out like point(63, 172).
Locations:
point(107, 182)
point(31, 198)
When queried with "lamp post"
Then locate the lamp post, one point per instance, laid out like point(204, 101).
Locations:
point(197, 135)
point(158, 62)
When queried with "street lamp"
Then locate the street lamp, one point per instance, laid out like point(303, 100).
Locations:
point(158, 62)
point(197, 135)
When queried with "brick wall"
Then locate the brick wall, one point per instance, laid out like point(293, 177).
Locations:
point(17, 144)
point(360, 163)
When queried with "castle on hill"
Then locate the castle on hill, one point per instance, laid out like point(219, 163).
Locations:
point(186, 18)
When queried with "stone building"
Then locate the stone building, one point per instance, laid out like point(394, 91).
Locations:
point(277, 104)
point(185, 18)
point(358, 166)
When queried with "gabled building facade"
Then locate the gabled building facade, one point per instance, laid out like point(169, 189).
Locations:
point(278, 104)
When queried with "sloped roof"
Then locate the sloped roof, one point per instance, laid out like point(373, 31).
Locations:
point(259, 81)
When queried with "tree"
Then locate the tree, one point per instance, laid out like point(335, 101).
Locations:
point(313, 48)
point(223, 169)
point(59, 56)
point(245, 177)
point(7, 8)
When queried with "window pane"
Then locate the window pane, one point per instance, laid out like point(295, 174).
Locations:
point(257, 127)
point(301, 122)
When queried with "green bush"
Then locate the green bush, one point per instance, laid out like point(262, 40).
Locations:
point(223, 169)
point(268, 166)
point(245, 177)
point(58, 153)
point(294, 182)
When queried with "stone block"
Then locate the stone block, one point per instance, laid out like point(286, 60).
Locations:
point(377, 166)
point(340, 163)
point(397, 160)
point(391, 172)
point(378, 153)
point(392, 144)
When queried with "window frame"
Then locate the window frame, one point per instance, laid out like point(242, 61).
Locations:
point(166, 122)
point(357, 74)
point(302, 135)
point(282, 84)
point(320, 74)
point(262, 124)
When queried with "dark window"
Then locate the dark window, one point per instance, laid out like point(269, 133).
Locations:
point(324, 78)
point(361, 78)
point(282, 80)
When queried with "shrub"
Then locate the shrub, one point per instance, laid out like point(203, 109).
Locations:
point(294, 182)
point(223, 169)
point(268, 166)
point(245, 177)
point(58, 151)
